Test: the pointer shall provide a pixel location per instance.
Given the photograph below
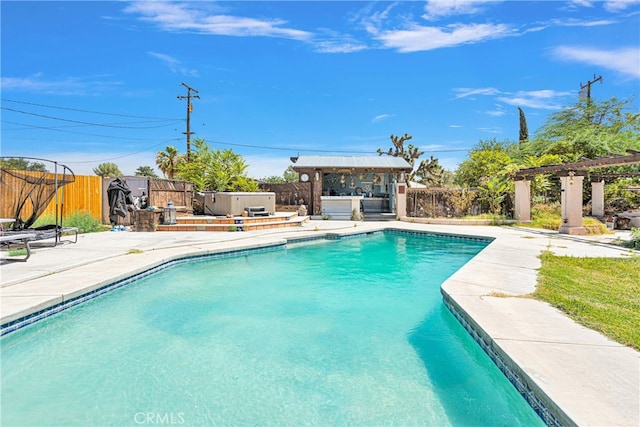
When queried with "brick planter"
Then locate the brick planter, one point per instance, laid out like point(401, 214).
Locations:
point(146, 220)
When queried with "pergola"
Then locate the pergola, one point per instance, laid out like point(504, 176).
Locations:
point(571, 178)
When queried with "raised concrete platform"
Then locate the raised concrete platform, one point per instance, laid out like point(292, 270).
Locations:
point(583, 377)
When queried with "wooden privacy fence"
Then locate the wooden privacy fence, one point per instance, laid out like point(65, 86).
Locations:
point(88, 194)
point(82, 195)
point(289, 194)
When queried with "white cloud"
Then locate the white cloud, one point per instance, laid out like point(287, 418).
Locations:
point(571, 22)
point(492, 130)
point(371, 22)
point(464, 92)
point(583, 3)
point(435, 9)
point(381, 117)
point(421, 38)
point(332, 46)
point(620, 5)
point(495, 113)
point(72, 86)
point(539, 99)
point(174, 64)
point(201, 18)
point(623, 60)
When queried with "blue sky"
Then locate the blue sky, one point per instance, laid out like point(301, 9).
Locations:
point(90, 82)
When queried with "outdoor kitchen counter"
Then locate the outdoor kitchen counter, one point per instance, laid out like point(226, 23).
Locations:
point(340, 207)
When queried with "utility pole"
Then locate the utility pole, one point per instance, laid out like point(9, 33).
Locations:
point(188, 97)
point(588, 87)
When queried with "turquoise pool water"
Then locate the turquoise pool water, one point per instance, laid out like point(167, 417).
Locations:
point(346, 332)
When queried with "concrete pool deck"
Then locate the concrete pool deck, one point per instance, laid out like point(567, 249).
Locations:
point(584, 378)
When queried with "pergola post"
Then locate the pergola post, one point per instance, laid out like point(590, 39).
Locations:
point(401, 199)
point(597, 198)
point(523, 200)
point(572, 204)
point(316, 191)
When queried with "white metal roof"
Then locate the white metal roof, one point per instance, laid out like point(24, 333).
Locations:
point(348, 162)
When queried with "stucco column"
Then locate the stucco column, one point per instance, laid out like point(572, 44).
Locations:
point(572, 205)
point(401, 199)
point(523, 200)
point(597, 198)
point(316, 191)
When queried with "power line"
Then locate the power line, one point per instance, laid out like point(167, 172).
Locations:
point(89, 111)
point(87, 123)
point(66, 131)
point(124, 155)
point(321, 151)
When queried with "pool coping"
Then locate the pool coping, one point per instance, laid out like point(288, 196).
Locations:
point(580, 386)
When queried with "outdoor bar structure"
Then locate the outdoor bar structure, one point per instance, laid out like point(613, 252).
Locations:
point(342, 186)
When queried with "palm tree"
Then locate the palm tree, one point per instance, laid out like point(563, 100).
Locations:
point(168, 160)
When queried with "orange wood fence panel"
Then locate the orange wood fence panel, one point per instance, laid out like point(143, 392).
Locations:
point(82, 195)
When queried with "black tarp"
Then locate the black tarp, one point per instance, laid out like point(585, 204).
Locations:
point(119, 200)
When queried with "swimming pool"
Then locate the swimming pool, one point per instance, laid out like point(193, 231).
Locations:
point(329, 332)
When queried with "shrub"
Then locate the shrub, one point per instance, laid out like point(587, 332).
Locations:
point(593, 226)
point(547, 216)
point(84, 221)
point(461, 200)
point(634, 243)
point(619, 198)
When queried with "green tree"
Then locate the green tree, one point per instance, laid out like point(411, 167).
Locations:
point(220, 170)
point(432, 174)
point(588, 130)
point(289, 175)
point(107, 169)
point(273, 179)
point(19, 163)
point(410, 153)
point(489, 158)
point(493, 192)
point(619, 197)
point(168, 161)
point(524, 130)
point(146, 171)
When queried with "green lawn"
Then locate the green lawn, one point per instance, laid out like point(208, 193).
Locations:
point(600, 293)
